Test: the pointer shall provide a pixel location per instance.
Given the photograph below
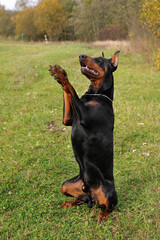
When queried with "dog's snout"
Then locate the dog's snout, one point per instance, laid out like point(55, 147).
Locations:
point(82, 57)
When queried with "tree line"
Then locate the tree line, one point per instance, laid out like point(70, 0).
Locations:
point(86, 20)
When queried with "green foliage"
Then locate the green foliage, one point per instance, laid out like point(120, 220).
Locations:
point(67, 32)
point(150, 19)
point(36, 154)
point(151, 16)
point(89, 18)
point(92, 17)
point(25, 23)
point(7, 24)
point(50, 18)
point(85, 20)
point(127, 14)
point(87, 2)
point(67, 5)
point(157, 58)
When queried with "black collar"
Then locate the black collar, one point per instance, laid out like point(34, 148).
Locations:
point(99, 95)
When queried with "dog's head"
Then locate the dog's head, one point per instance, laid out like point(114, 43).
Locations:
point(99, 70)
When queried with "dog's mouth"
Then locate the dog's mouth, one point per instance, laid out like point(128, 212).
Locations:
point(86, 70)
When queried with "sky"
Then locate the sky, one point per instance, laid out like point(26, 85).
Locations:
point(9, 4)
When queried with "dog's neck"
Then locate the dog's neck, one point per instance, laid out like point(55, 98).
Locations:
point(99, 95)
point(101, 91)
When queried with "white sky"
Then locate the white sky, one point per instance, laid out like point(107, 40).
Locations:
point(9, 4)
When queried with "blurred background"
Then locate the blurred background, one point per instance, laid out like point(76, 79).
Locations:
point(85, 20)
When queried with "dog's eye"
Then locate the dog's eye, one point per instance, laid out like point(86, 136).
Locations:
point(99, 60)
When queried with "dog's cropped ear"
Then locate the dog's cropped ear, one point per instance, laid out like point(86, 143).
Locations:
point(114, 60)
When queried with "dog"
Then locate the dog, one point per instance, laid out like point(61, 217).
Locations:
point(92, 121)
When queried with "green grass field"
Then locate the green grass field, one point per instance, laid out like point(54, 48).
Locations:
point(36, 153)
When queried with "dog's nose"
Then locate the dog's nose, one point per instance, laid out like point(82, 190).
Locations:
point(82, 57)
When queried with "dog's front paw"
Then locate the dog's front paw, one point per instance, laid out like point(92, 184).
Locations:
point(59, 74)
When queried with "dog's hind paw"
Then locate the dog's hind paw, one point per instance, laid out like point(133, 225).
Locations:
point(71, 203)
point(103, 215)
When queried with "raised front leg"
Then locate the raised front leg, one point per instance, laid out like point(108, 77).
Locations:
point(72, 101)
point(67, 109)
point(59, 74)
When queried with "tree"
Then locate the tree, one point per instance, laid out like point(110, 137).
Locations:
point(126, 15)
point(90, 17)
point(151, 16)
point(150, 19)
point(50, 18)
point(67, 31)
point(25, 23)
point(87, 2)
point(7, 24)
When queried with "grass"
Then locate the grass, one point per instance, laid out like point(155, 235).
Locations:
point(36, 154)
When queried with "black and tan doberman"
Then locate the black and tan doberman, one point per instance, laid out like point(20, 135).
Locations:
point(92, 121)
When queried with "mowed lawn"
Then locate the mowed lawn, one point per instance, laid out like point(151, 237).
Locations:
point(36, 154)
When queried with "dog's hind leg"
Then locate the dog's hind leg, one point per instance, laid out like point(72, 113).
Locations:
point(71, 203)
point(102, 191)
point(73, 188)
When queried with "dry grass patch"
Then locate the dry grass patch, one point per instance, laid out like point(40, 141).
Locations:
point(123, 45)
